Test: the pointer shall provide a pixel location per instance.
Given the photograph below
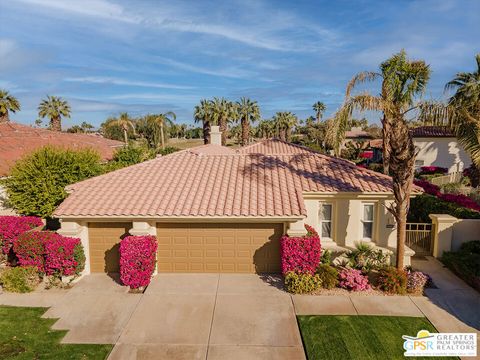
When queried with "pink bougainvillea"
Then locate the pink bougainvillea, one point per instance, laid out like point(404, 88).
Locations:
point(12, 226)
point(51, 253)
point(353, 279)
point(433, 170)
point(428, 187)
point(459, 199)
point(301, 254)
point(137, 260)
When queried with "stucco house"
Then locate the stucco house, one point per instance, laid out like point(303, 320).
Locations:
point(217, 209)
point(438, 146)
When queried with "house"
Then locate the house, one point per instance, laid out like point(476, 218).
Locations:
point(17, 140)
point(438, 146)
point(356, 135)
point(216, 209)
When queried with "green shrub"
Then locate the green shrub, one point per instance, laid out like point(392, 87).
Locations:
point(297, 283)
point(365, 257)
point(132, 154)
point(168, 150)
point(326, 257)
point(451, 188)
point(423, 205)
point(79, 257)
point(392, 281)
point(471, 247)
point(37, 182)
point(20, 279)
point(328, 276)
point(376, 167)
point(465, 262)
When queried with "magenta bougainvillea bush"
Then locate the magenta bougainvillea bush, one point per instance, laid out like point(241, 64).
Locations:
point(137, 260)
point(428, 187)
point(459, 199)
point(433, 170)
point(416, 281)
point(301, 254)
point(12, 226)
point(353, 279)
point(51, 253)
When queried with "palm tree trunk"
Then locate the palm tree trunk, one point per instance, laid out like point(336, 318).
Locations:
point(386, 128)
point(206, 132)
point(223, 130)
point(245, 131)
point(125, 136)
point(162, 136)
point(4, 118)
point(56, 123)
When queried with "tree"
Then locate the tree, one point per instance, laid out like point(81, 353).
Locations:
point(266, 129)
point(248, 112)
point(54, 108)
point(461, 113)
point(203, 113)
point(83, 128)
point(36, 185)
point(124, 122)
point(284, 122)
point(162, 120)
point(402, 82)
point(8, 103)
point(223, 111)
point(319, 108)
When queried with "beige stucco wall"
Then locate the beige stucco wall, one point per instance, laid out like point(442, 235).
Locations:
point(347, 213)
point(444, 152)
point(465, 230)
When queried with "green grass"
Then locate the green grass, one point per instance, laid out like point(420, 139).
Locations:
point(24, 335)
point(358, 337)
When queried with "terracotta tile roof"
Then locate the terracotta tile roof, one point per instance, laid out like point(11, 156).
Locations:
point(431, 131)
point(202, 182)
point(17, 140)
point(376, 143)
point(357, 134)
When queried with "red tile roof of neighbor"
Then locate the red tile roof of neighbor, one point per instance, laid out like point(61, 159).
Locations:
point(264, 179)
point(17, 140)
point(431, 131)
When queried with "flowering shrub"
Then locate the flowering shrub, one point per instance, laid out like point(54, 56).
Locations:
point(428, 187)
point(137, 260)
point(416, 281)
point(12, 226)
point(392, 280)
point(51, 253)
point(328, 275)
point(433, 170)
point(311, 231)
point(297, 283)
point(461, 200)
point(300, 254)
point(352, 279)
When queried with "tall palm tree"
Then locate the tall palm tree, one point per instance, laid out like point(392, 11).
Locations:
point(203, 113)
point(162, 120)
point(54, 108)
point(266, 129)
point(248, 112)
point(319, 108)
point(7, 103)
point(284, 122)
point(223, 111)
point(402, 82)
point(125, 122)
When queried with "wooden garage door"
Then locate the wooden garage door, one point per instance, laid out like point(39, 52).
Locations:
point(234, 248)
point(104, 244)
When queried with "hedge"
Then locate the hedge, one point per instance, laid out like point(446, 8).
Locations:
point(13, 226)
point(137, 260)
point(423, 205)
point(300, 254)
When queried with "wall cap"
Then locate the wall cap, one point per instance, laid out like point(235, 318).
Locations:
point(443, 218)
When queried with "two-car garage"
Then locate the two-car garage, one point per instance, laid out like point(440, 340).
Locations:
point(195, 247)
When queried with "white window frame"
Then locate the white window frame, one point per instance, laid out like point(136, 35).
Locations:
point(321, 221)
point(364, 221)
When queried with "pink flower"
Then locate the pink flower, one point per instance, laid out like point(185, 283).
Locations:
point(12, 226)
point(352, 279)
point(137, 260)
point(301, 254)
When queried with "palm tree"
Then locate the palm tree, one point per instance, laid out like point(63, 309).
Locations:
point(266, 129)
point(163, 119)
point(223, 111)
point(54, 108)
point(203, 113)
point(7, 103)
point(248, 112)
point(284, 122)
point(319, 108)
point(124, 122)
point(403, 80)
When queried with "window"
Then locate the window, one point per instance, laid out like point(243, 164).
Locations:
point(326, 221)
point(368, 221)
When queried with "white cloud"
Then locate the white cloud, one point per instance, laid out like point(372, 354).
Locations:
point(175, 98)
point(117, 81)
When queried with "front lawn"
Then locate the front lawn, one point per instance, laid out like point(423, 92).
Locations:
point(24, 335)
point(358, 337)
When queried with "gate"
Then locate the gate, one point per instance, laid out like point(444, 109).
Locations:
point(419, 238)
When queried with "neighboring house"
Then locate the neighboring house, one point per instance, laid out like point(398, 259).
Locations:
point(17, 140)
point(216, 209)
point(437, 146)
point(356, 134)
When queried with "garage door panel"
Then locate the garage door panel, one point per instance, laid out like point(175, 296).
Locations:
point(245, 248)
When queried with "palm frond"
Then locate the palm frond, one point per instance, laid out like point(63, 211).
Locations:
point(361, 77)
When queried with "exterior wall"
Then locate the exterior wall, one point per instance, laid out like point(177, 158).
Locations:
point(444, 152)
point(347, 215)
point(465, 230)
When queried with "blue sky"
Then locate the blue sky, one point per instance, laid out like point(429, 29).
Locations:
point(109, 56)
